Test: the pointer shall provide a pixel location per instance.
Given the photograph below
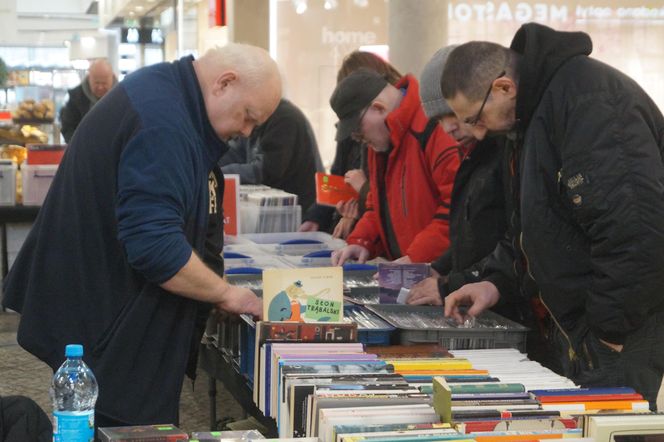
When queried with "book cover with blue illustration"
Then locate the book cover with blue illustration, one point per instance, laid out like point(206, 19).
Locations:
point(303, 295)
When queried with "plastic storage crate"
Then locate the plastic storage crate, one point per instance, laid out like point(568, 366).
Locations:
point(7, 183)
point(294, 243)
point(379, 334)
point(36, 182)
point(359, 285)
point(426, 325)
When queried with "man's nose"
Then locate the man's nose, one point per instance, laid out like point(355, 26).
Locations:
point(479, 132)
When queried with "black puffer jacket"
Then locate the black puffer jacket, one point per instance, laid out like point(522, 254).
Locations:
point(479, 218)
point(592, 185)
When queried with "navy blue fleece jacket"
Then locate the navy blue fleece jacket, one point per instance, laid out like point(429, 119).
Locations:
point(127, 207)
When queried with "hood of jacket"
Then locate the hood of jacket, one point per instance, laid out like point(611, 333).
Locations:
point(543, 51)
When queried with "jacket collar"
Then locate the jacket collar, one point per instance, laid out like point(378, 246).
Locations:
point(543, 51)
point(400, 120)
point(215, 147)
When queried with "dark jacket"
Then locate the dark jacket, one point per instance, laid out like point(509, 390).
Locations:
point(127, 207)
point(22, 420)
point(411, 186)
point(77, 106)
point(479, 219)
point(349, 155)
point(81, 100)
point(592, 185)
point(281, 153)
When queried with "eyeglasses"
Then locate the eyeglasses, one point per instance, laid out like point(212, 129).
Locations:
point(476, 119)
point(357, 135)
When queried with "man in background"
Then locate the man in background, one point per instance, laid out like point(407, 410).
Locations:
point(281, 153)
point(99, 80)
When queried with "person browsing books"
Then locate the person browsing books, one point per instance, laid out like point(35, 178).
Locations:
point(412, 163)
point(115, 259)
point(349, 159)
point(589, 144)
point(480, 205)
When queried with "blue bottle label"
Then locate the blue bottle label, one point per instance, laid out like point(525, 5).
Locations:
point(73, 426)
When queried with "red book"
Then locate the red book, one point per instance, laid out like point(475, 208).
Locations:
point(330, 189)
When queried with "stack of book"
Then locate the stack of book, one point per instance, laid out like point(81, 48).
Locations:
point(268, 210)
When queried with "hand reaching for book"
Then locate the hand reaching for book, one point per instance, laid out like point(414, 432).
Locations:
point(479, 296)
point(240, 300)
point(425, 292)
point(353, 251)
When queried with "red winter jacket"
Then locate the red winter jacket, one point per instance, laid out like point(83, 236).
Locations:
point(418, 184)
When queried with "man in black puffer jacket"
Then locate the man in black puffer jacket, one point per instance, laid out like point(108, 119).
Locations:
point(589, 144)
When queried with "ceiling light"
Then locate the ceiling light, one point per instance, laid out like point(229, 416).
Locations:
point(139, 8)
point(330, 4)
point(300, 6)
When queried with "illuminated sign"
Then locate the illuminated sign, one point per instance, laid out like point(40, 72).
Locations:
point(142, 36)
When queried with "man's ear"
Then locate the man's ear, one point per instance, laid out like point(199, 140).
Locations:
point(379, 106)
point(223, 81)
point(505, 85)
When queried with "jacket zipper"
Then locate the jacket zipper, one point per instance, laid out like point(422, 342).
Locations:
point(403, 192)
point(571, 354)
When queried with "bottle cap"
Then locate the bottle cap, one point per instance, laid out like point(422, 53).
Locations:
point(74, 351)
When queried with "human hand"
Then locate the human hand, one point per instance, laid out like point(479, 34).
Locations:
point(425, 292)
point(615, 347)
point(479, 295)
point(353, 251)
point(349, 208)
point(356, 178)
point(343, 228)
point(405, 259)
point(308, 226)
point(238, 300)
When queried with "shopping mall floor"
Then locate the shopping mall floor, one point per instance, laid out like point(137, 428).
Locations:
point(23, 374)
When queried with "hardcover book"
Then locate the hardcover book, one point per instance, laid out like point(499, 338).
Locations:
point(303, 295)
point(331, 189)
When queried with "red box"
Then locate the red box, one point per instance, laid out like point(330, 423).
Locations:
point(45, 153)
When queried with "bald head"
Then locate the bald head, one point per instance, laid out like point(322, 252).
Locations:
point(241, 87)
point(100, 77)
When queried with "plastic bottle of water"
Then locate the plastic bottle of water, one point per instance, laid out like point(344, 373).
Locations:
point(74, 392)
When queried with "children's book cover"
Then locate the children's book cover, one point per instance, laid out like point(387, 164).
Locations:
point(330, 189)
point(303, 295)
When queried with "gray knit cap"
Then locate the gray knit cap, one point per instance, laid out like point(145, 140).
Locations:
point(431, 95)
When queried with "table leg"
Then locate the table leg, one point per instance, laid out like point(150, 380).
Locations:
point(212, 395)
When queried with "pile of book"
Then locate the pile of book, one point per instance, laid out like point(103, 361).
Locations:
point(264, 210)
point(315, 381)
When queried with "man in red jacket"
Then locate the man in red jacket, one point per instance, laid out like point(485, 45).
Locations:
point(412, 164)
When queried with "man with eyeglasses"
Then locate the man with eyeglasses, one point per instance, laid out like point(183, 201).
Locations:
point(412, 164)
point(590, 144)
point(480, 207)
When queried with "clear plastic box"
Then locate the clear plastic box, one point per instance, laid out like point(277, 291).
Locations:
point(295, 243)
point(7, 183)
point(37, 180)
point(265, 219)
point(419, 324)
